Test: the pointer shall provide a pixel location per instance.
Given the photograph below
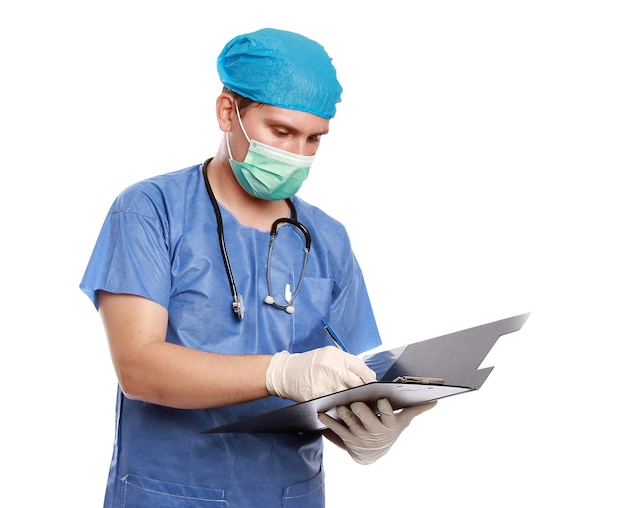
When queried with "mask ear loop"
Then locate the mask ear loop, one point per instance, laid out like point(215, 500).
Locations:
point(241, 123)
point(230, 154)
point(269, 299)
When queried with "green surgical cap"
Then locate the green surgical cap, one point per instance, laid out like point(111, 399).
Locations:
point(282, 69)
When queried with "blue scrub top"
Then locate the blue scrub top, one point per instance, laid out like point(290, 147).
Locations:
point(159, 240)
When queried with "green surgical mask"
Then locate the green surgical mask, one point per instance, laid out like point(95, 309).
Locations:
point(268, 172)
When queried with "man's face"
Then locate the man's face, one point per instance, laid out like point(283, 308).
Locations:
point(293, 131)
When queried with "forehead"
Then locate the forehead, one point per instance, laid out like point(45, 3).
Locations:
point(287, 118)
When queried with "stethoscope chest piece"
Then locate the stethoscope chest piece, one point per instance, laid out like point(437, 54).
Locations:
point(238, 307)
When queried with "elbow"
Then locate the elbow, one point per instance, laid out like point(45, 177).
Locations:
point(132, 385)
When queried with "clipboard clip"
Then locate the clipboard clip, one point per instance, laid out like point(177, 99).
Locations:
point(419, 380)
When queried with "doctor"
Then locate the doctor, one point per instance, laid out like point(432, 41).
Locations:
point(206, 325)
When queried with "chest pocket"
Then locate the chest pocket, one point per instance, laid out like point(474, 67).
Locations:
point(311, 305)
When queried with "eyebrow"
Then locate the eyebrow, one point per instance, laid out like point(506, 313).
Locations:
point(280, 122)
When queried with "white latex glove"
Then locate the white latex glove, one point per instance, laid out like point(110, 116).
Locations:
point(367, 436)
point(306, 376)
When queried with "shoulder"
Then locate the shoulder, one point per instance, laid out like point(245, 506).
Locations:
point(158, 193)
point(314, 215)
point(327, 229)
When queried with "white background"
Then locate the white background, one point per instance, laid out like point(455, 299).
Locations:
point(476, 160)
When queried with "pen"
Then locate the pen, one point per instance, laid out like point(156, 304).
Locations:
point(333, 335)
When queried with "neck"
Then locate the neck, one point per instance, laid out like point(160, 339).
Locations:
point(249, 210)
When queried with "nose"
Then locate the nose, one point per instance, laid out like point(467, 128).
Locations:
point(302, 146)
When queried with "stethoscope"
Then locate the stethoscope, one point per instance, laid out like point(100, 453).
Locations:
point(237, 304)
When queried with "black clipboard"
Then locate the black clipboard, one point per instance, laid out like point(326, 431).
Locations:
point(408, 376)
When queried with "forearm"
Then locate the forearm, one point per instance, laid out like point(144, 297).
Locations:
point(180, 377)
point(152, 370)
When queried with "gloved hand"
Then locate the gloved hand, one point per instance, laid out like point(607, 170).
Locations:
point(366, 436)
point(306, 376)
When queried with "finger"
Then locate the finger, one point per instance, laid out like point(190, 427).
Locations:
point(358, 367)
point(367, 417)
point(352, 380)
point(336, 426)
point(352, 421)
point(387, 415)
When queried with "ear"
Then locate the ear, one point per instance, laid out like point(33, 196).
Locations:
point(225, 109)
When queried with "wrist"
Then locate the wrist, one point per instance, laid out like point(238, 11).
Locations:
point(274, 373)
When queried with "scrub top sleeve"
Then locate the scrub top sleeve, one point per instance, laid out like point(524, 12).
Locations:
point(131, 256)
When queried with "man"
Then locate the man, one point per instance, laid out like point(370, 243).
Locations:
point(199, 337)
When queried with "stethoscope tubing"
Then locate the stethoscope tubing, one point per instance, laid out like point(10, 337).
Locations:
point(238, 304)
point(288, 307)
point(237, 298)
